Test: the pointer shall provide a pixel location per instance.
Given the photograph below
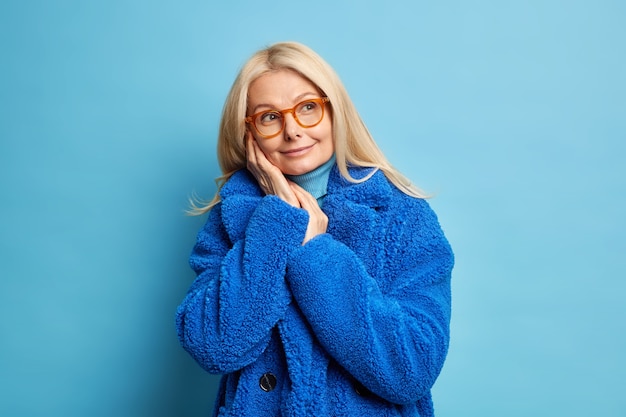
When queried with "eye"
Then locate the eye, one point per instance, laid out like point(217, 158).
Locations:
point(307, 107)
point(269, 117)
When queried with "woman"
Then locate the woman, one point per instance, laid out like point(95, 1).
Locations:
point(323, 277)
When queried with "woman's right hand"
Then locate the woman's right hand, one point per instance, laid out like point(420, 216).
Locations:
point(318, 221)
point(270, 178)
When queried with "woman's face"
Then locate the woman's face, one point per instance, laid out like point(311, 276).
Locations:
point(296, 150)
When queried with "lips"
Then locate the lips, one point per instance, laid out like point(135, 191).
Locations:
point(297, 151)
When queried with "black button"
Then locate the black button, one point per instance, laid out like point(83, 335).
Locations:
point(361, 390)
point(267, 382)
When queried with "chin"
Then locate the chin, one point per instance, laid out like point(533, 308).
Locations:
point(298, 169)
point(295, 171)
point(299, 166)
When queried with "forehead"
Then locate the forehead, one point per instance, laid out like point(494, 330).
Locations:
point(279, 87)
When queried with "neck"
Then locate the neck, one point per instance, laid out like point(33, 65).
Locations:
point(316, 181)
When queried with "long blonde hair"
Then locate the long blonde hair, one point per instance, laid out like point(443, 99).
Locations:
point(354, 145)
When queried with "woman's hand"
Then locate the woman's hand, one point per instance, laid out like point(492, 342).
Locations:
point(318, 221)
point(270, 178)
point(272, 181)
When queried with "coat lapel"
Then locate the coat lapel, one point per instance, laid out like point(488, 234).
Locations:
point(353, 212)
point(352, 208)
point(240, 197)
point(304, 357)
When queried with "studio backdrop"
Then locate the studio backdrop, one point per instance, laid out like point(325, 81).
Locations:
point(511, 114)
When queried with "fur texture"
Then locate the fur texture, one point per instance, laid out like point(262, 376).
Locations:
point(353, 323)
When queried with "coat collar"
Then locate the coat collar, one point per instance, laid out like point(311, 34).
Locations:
point(374, 192)
point(241, 195)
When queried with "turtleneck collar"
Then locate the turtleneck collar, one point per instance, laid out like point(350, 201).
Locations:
point(316, 181)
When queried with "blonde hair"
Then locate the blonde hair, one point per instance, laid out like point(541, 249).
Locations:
point(353, 143)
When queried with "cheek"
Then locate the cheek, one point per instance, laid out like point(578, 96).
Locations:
point(323, 131)
point(267, 147)
point(327, 134)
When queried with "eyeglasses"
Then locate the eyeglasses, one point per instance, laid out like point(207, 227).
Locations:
point(270, 123)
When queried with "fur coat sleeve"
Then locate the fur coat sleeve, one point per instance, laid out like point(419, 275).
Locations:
point(386, 321)
point(240, 292)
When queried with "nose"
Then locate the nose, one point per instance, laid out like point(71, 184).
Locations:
point(292, 128)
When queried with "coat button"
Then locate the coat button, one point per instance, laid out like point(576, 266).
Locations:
point(267, 382)
point(361, 390)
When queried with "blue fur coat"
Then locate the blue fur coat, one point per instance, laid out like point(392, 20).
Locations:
point(353, 323)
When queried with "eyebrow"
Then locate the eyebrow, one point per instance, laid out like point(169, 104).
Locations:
point(295, 100)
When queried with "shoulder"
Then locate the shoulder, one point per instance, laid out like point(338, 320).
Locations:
point(376, 190)
point(412, 214)
point(241, 182)
point(371, 188)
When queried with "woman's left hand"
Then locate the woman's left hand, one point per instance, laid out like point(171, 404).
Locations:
point(318, 221)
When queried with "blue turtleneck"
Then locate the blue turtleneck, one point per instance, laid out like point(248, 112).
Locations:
point(316, 181)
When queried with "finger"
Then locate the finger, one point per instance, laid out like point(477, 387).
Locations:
point(253, 166)
point(297, 190)
point(260, 165)
point(262, 160)
point(307, 201)
point(318, 222)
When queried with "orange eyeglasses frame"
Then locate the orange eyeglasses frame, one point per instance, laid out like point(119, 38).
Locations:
point(252, 119)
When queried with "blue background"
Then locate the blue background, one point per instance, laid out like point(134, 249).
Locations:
point(512, 113)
